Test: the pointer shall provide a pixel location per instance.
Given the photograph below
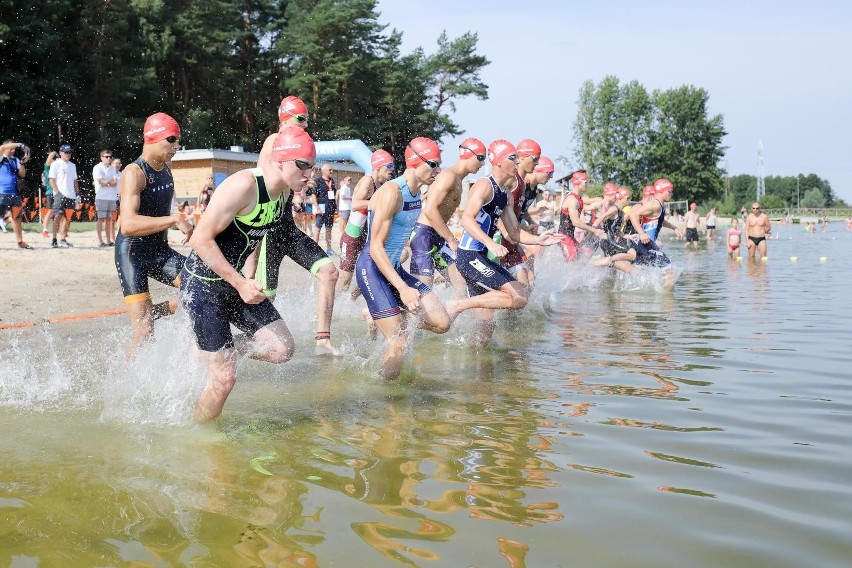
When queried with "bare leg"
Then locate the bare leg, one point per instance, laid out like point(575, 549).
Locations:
point(99, 227)
point(110, 230)
point(393, 329)
point(141, 325)
point(343, 281)
point(221, 376)
point(327, 279)
point(434, 317)
point(761, 247)
point(511, 296)
point(484, 326)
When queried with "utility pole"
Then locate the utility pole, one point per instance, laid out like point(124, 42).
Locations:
point(798, 199)
point(761, 186)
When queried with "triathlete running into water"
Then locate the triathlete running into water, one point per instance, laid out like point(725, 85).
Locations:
point(142, 246)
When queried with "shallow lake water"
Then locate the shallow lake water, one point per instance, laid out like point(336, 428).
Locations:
point(610, 423)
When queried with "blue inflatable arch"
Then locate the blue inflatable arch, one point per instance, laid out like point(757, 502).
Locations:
point(339, 150)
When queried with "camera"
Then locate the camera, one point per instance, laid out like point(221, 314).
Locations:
point(22, 151)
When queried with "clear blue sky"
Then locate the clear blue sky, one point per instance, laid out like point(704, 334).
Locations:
point(780, 72)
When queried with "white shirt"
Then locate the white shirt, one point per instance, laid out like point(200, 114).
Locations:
point(65, 173)
point(106, 173)
point(345, 197)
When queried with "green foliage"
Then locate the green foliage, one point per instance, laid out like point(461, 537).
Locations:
point(773, 202)
point(624, 135)
point(813, 198)
point(89, 72)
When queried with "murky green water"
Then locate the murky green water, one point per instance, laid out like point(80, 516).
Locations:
point(608, 425)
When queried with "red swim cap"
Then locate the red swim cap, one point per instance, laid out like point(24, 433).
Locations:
point(610, 190)
point(380, 158)
point(527, 147)
point(471, 147)
point(499, 150)
point(662, 185)
point(293, 143)
point(291, 106)
point(648, 191)
point(421, 149)
point(545, 165)
point(158, 127)
point(579, 177)
point(623, 192)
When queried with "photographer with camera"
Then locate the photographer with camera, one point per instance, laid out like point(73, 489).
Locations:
point(12, 169)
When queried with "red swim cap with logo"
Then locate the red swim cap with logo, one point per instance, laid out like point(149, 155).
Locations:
point(527, 147)
point(648, 191)
point(293, 143)
point(579, 177)
point(291, 106)
point(380, 158)
point(610, 190)
point(471, 147)
point(623, 192)
point(158, 127)
point(421, 149)
point(662, 185)
point(545, 165)
point(499, 150)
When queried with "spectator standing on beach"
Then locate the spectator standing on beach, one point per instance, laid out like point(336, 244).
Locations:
point(206, 193)
point(47, 202)
point(106, 194)
point(326, 194)
point(344, 201)
point(63, 181)
point(11, 171)
point(142, 248)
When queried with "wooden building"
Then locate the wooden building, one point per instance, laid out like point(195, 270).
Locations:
point(190, 169)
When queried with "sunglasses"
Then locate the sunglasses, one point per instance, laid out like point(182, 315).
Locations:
point(431, 163)
point(755, 208)
point(172, 139)
point(513, 157)
point(535, 159)
point(480, 157)
point(302, 165)
point(107, 157)
point(391, 167)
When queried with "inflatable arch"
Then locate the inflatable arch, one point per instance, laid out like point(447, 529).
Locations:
point(339, 150)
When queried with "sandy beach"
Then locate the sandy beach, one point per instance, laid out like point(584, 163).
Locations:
point(44, 282)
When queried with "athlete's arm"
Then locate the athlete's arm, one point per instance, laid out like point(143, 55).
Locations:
point(266, 149)
point(574, 213)
point(610, 212)
point(438, 191)
point(361, 194)
point(509, 223)
point(635, 215)
point(237, 196)
point(766, 224)
point(132, 223)
point(480, 193)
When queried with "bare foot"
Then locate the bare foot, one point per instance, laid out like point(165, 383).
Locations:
point(324, 347)
point(372, 331)
point(668, 279)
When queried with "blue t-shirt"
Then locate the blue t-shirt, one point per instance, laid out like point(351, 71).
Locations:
point(9, 175)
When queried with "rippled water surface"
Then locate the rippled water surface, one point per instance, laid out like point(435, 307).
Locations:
point(610, 423)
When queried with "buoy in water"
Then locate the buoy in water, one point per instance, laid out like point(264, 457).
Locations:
point(823, 259)
point(739, 258)
point(794, 258)
point(764, 258)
